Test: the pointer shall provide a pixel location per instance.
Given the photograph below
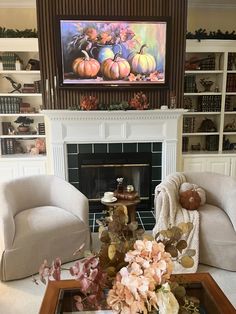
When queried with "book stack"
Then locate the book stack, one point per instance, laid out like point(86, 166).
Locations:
point(28, 88)
point(41, 128)
point(209, 103)
point(8, 146)
point(231, 61)
point(231, 82)
point(212, 142)
point(189, 84)
point(229, 104)
point(9, 60)
point(5, 127)
point(37, 86)
point(208, 63)
point(189, 125)
point(10, 104)
point(185, 144)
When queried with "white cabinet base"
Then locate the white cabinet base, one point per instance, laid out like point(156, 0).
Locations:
point(218, 164)
point(12, 169)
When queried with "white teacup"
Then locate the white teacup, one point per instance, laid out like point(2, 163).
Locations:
point(108, 196)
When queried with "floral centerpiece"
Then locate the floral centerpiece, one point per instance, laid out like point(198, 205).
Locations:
point(131, 272)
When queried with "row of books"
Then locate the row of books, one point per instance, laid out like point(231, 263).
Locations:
point(209, 103)
point(189, 84)
point(230, 104)
point(9, 60)
point(41, 128)
point(189, 125)
point(6, 127)
point(231, 61)
point(10, 104)
point(32, 87)
point(231, 82)
point(8, 146)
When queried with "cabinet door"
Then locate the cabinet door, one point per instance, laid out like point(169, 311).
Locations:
point(32, 167)
point(218, 165)
point(233, 167)
point(196, 164)
point(8, 170)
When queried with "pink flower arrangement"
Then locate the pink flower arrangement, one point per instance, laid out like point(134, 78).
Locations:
point(143, 285)
point(91, 278)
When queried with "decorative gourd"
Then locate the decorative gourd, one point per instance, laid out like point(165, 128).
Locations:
point(115, 69)
point(142, 63)
point(191, 186)
point(85, 67)
point(190, 199)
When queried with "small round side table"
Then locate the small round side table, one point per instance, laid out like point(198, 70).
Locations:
point(130, 204)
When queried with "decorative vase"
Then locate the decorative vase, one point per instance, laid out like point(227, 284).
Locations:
point(23, 128)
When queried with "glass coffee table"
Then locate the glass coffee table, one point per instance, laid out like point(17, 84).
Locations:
point(59, 295)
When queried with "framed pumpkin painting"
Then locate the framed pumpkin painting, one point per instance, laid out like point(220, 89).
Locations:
point(101, 53)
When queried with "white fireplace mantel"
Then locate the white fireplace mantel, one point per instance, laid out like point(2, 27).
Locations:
point(67, 126)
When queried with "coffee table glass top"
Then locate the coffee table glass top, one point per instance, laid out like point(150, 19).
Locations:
point(59, 296)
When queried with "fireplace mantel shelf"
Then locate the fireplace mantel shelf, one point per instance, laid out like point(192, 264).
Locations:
point(113, 114)
point(115, 126)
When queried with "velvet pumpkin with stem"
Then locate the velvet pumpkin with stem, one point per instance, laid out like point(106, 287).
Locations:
point(115, 69)
point(86, 67)
point(142, 62)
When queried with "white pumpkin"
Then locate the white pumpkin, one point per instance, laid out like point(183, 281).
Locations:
point(191, 186)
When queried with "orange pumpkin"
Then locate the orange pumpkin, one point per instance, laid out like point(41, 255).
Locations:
point(85, 67)
point(115, 69)
point(190, 199)
point(141, 62)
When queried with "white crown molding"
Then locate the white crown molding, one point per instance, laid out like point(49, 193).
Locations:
point(11, 4)
point(212, 4)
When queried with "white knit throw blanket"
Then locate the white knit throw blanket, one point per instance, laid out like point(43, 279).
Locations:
point(168, 212)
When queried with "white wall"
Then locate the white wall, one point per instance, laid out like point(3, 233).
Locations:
point(211, 19)
point(20, 18)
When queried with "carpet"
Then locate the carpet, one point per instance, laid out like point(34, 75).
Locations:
point(25, 297)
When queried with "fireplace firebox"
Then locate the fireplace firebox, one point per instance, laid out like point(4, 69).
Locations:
point(94, 167)
point(98, 173)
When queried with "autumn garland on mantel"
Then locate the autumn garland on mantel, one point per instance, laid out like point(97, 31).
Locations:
point(138, 102)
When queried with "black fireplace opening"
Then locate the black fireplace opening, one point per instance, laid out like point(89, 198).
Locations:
point(98, 173)
point(84, 152)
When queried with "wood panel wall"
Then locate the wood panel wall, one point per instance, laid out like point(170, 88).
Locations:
point(55, 98)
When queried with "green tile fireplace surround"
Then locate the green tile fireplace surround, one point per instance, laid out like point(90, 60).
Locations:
point(155, 148)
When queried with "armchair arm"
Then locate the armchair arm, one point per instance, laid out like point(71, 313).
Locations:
point(66, 196)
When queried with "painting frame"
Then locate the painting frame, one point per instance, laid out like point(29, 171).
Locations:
point(115, 53)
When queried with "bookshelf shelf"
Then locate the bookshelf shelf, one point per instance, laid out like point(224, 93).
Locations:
point(22, 114)
point(21, 72)
point(21, 94)
point(203, 94)
point(25, 156)
point(23, 136)
point(204, 72)
point(201, 113)
point(200, 133)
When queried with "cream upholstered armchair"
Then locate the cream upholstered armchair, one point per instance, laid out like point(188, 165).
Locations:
point(41, 217)
point(217, 236)
point(217, 217)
